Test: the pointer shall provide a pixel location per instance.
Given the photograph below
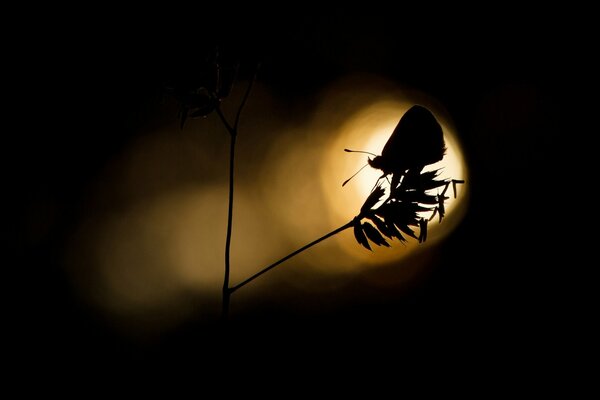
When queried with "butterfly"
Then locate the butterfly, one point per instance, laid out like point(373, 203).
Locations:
point(417, 141)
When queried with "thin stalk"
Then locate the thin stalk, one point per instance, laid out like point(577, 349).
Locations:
point(224, 120)
point(226, 291)
point(300, 250)
point(233, 131)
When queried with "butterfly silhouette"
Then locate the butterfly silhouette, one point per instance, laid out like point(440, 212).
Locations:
point(417, 141)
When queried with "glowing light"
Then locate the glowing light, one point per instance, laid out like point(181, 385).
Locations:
point(153, 243)
point(369, 129)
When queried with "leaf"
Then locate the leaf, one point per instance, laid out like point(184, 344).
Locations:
point(396, 233)
point(424, 181)
point(433, 184)
point(404, 228)
point(201, 112)
point(373, 199)
point(395, 183)
point(435, 210)
point(360, 236)
point(374, 235)
point(381, 226)
point(423, 230)
point(426, 199)
point(445, 189)
point(420, 208)
point(413, 196)
point(429, 175)
point(388, 229)
point(441, 207)
point(400, 212)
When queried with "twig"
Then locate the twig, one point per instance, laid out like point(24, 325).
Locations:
point(245, 99)
point(300, 250)
point(233, 131)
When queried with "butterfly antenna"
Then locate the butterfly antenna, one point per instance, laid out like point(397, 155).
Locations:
point(356, 173)
point(359, 151)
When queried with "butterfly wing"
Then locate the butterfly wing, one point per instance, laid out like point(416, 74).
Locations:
point(417, 140)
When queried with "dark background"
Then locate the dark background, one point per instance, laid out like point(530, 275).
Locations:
point(507, 280)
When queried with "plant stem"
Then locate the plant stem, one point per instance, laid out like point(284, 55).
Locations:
point(226, 291)
point(300, 250)
point(229, 128)
point(233, 131)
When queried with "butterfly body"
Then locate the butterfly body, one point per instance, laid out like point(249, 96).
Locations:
point(417, 141)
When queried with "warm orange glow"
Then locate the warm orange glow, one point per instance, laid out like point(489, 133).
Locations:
point(369, 129)
point(152, 247)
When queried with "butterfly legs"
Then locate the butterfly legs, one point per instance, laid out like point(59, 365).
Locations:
point(377, 183)
point(393, 184)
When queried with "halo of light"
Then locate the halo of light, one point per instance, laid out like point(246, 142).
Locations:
point(368, 129)
point(151, 246)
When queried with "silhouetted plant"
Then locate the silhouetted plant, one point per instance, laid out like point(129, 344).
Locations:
point(202, 95)
point(402, 210)
point(417, 141)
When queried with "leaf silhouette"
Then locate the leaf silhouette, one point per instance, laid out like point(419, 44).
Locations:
point(360, 236)
point(429, 175)
point(435, 211)
point(423, 230)
point(374, 235)
point(381, 226)
point(411, 195)
point(441, 208)
point(199, 88)
point(421, 183)
point(393, 230)
point(401, 211)
point(414, 196)
point(405, 228)
point(372, 199)
point(400, 215)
